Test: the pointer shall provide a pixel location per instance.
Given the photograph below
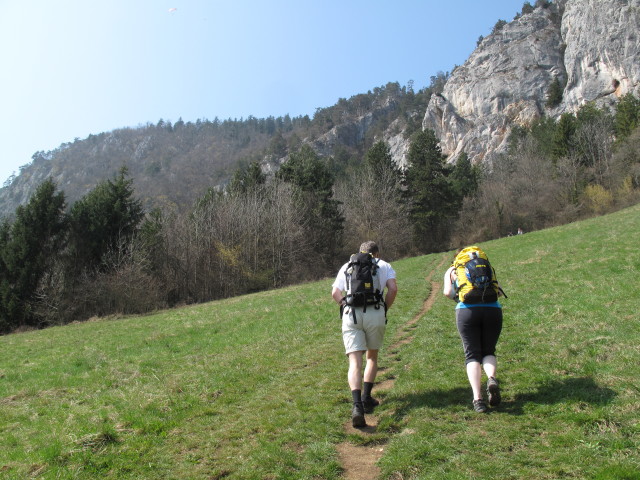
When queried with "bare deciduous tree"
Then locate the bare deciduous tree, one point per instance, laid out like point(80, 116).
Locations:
point(593, 140)
point(373, 209)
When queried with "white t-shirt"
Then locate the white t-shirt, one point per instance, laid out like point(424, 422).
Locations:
point(385, 272)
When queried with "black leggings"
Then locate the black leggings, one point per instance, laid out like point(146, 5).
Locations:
point(479, 329)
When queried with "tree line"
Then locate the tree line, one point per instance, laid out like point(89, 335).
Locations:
point(106, 255)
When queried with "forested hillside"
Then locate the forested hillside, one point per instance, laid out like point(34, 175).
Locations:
point(173, 164)
point(106, 254)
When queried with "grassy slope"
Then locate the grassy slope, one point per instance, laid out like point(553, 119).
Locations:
point(255, 387)
point(567, 360)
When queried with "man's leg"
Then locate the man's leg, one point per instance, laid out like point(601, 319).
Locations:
point(370, 372)
point(355, 370)
point(355, 383)
point(375, 324)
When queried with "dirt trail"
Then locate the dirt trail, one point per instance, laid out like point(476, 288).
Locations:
point(359, 462)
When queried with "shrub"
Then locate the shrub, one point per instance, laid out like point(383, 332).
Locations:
point(598, 198)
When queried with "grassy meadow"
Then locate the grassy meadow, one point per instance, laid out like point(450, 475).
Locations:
point(254, 387)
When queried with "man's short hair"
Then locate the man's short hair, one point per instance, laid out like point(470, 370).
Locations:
point(369, 247)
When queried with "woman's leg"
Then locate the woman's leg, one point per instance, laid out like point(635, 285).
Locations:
point(474, 373)
point(491, 329)
point(492, 326)
point(490, 364)
point(470, 330)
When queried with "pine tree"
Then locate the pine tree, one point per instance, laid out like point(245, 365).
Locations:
point(28, 249)
point(627, 116)
point(563, 136)
point(429, 193)
point(379, 159)
point(527, 8)
point(247, 179)
point(103, 218)
point(465, 178)
point(313, 183)
point(554, 93)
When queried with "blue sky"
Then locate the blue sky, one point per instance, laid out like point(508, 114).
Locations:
point(71, 68)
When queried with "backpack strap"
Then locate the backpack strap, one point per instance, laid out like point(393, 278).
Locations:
point(497, 285)
point(499, 288)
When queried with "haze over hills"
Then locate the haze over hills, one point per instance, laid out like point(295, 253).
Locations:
point(589, 47)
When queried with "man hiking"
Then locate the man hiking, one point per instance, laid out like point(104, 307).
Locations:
point(359, 290)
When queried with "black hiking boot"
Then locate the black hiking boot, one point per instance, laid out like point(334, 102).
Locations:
point(369, 404)
point(479, 406)
point(357, 416)
point(493, 389)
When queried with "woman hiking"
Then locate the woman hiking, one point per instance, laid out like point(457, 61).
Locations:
point(471, 282)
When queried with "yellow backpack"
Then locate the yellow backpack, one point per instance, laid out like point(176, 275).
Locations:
point(476, 282)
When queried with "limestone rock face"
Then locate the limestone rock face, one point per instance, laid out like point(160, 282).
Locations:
point(602, 58)
point(351, 133)
point(399, 148)
point(591, 46)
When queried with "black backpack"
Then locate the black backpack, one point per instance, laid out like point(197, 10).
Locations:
point(480, 273)
point(361, 282)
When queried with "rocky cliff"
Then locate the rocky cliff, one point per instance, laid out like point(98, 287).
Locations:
point(591, 46)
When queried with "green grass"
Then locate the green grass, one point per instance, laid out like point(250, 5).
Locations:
point(255, 387)
point(568, 363)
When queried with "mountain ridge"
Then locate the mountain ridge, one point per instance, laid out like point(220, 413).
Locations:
point(504, 82)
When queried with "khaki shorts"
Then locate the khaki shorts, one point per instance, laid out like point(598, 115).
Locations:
point(367, 333)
